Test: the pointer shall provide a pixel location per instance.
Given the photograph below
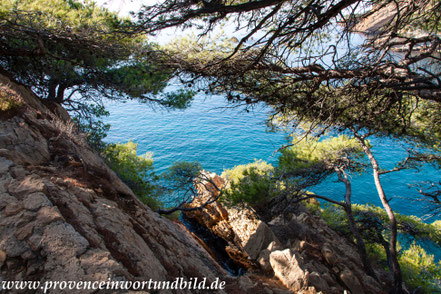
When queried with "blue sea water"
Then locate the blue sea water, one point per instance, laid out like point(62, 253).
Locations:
point(220, 137)
point(210, 132)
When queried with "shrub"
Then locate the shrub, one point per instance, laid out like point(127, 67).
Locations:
point(311, 153)
point(420, 271)
point(437, 225)
point(407, 224)
point(336, 218)
point(376, 252)
point(8, 100)
point(135, 170)
point(249, 183)
point(313, 205)
point(419, 268)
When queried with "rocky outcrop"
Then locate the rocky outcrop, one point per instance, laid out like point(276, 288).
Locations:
point(326, 261)
point(64, 215)
point(296, 247)
point(375, 22)
point(246, 235)
point(378, 23)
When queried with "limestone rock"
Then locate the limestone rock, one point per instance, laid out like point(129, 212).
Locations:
point(329, 255)
point(263, 261)
point(246, 235)
point(373, 23)
point(287, 268)
point(36, 200)
point(378, 22)
point(4, 165)
point(254, 235)
point(351, 281)
point(2, 257)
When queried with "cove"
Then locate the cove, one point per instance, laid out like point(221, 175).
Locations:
point(220, 137)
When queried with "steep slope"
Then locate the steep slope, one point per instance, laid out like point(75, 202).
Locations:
point(295, 246)
point(64, 215)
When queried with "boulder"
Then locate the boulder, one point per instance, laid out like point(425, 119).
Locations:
point(351, 281)
point(287, 267)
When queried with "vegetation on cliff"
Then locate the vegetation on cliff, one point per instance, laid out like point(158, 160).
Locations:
point(177, 185)
point(420, 270)
point(251, 183)
point(288, 57)
point(135, 170)
point(74, 53)
point(7, 103)
point(255, 184)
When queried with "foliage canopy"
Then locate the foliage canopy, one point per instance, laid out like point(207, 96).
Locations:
point(76, 53)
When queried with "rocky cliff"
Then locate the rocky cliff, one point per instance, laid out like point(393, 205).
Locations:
point(64, 215)
point(379, 20)
point(374, 22)
point(295, 246)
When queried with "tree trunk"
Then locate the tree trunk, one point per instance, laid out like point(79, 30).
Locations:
point(386, 248)
point(52, 87)
point(60, 93)
point(56, 91)
point(361, 247)
point(397, 287)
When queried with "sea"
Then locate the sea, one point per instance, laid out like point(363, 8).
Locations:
point(220, 136)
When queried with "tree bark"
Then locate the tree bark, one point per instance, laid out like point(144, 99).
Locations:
point(397, 287)
point(52, 88)
point(361, 246)
point(60, 93)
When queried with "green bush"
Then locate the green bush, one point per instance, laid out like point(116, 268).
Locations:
point(407, 224)
point(311, 153)
point(309, 161)
point(368, 214)
point(419, 268)
point(313, 205)
point(249, 183)
point(335, 217)
point(181, 175)
point(437, 225)
point(420, 271)
point(135, 170)
point(377, 253)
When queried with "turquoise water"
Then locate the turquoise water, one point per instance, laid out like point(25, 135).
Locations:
point(221, 137)
point(207, 132)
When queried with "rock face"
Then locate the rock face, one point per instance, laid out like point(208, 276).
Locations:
point(64, 215)
point(375, 22)
point(296, 247)
point(246, 235)
point(378, 21)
